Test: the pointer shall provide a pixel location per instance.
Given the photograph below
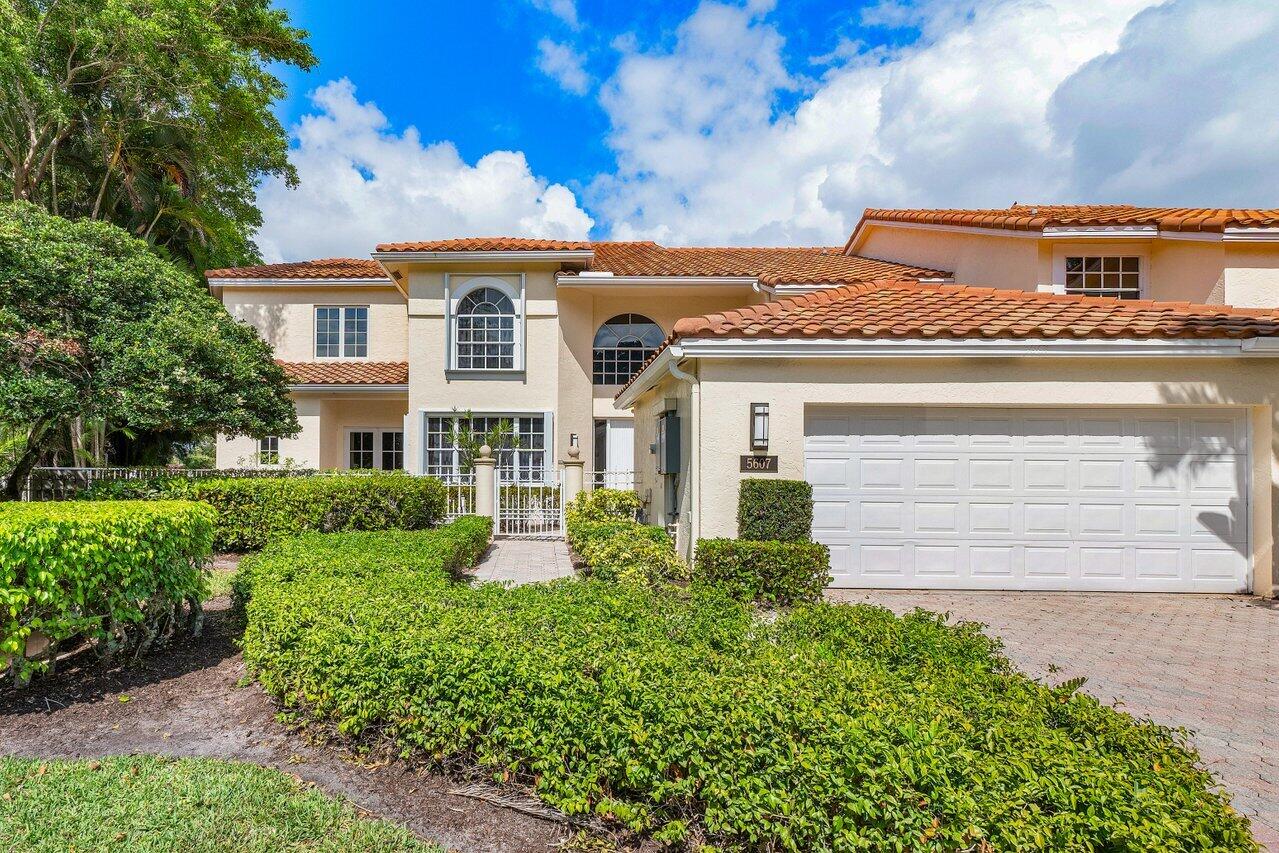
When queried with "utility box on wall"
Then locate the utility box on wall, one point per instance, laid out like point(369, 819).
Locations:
point(667, 447)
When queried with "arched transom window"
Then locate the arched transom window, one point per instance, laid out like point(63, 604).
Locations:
point(485, 330)
point(622, 345)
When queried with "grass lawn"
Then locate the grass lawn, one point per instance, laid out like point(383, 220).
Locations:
point(147, 803)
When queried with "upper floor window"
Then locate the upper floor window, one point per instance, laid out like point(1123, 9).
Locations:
point(341, 331)
point(1104, 275)
point(485, 331)
point(622, 345)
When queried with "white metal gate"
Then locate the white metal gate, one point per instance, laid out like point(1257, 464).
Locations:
point(529, 509)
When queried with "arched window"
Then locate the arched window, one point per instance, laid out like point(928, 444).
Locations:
point(622, 345)
point(485, 330)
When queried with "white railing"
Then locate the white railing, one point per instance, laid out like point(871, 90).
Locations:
point(611, 479)
point(63, 483)
point(530, 509)
point(461, 495)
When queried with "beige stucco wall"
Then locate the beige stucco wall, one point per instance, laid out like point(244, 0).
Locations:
point(324, 419)
point(1203, 271)
point(285, 317)
point(560, 326)
point(726, 386)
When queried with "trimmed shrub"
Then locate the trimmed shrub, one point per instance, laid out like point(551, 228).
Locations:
point(254, 511)
point(679, 715)
point(775, 510)
point(451, 549)
point(603, 505)
point(601, 530)
point(117, 573)
point(765, 572)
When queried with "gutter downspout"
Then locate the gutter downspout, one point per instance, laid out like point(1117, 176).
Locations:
point(694, 450)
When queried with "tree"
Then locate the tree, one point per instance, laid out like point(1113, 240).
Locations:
point(95, 327)
point(151, 114)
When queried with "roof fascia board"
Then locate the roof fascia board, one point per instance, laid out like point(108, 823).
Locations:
point(649, 376)
point(652, 280)
point(1105, 232)
point(973, 348)
point(855, 243)
point(1251, 235)
point(445, 257)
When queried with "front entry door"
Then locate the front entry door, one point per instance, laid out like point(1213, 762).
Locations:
point(615, 453)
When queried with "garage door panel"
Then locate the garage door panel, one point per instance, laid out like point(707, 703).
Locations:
point(1032, 499)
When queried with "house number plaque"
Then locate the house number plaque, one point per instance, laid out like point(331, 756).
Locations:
point(759, 465)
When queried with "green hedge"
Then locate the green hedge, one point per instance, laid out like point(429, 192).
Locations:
point(452, 550)
point(775, 510)
point(600, 528)
point(117, 572)
point(254, 510)
point(680, 715)
point(765, 572)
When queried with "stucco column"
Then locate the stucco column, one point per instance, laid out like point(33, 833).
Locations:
point(573, 476)
point(485, 480)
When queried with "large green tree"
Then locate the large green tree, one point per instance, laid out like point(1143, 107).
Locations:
point(95, 327)
point(154, 115)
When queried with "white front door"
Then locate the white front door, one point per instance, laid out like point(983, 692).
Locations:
point(614, 453)
point(1149, 499)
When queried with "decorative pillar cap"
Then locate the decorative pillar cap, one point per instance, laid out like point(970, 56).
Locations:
point(485, 451)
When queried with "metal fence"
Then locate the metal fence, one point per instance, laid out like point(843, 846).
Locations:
point(530, 509)
point(610, 480)
point(59, 484)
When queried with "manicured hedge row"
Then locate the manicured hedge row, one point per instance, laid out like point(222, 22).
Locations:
point(601, 529)
point(680, 715)
point(118, 572)
point(779, 510)
point(765, 572)
point(449, 550)
point(253, 511)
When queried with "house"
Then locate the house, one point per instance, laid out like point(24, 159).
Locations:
point(1038, 397)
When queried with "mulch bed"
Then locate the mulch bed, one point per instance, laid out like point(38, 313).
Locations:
point(193, 698)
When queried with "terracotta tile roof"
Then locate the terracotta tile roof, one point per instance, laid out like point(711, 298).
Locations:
point(1034, 217)
point(905, 309)
point(322, 268)
point(488, 244)
point(780, 265)
point(346, 372)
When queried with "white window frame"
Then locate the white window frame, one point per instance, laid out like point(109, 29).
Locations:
point(262, 451)
point(548, 436)
point(378, 434)
point(1096, 250)
point(342, 353)
point(454, 294)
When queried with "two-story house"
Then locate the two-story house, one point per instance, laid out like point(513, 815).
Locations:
point(1031, 398)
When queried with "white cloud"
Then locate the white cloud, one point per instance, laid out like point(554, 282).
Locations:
point(565, 10)
point(564, 65)
point(361, 184)
point(997, 101)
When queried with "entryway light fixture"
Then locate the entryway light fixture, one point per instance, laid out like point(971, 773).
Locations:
point(759, 426)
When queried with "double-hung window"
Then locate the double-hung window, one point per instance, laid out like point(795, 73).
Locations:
point(521, 451)
point(269, 450)
point(341, 331)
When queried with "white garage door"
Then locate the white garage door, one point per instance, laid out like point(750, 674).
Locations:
point(1076, 499)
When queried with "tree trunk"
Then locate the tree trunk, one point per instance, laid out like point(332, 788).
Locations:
point(17, 478)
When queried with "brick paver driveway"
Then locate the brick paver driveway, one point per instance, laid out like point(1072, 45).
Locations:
point(1208, 663)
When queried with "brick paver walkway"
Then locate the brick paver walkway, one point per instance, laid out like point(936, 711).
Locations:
point(1208, 663)
point(525, 561)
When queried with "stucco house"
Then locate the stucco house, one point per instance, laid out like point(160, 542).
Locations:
point(1037, 397)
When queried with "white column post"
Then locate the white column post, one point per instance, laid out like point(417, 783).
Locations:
point(485, 483)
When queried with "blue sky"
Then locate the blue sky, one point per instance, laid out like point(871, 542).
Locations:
point(732, 122)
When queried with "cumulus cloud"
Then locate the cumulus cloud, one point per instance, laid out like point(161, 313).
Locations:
point(565, 10)
point(994, 102)
point(564, 65)
point(362, 183)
